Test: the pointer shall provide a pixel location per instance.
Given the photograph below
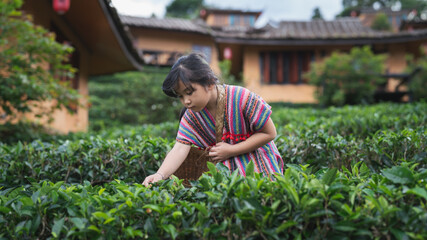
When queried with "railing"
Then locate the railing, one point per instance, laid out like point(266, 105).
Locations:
point(160, 58)
point(396, 96)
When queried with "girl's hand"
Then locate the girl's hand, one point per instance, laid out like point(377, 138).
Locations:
point(221, 151)
point(152, 179)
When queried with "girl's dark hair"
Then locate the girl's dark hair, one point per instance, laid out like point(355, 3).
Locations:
point(192, 68)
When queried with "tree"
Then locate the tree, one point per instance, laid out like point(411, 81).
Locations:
point(25, 52)
point(184, 8)
point(316, 14)
point(357, 5)
point(420, 5)
point(381, 23)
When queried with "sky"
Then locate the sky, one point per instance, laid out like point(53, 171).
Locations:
point(275, 10)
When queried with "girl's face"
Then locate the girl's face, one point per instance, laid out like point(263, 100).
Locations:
point(195, 98)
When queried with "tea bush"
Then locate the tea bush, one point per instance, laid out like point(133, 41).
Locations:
point(383, 149)
point(95, 160)
point(351, 173)
point(351, 121)
point(99, 160)
point(328, 204)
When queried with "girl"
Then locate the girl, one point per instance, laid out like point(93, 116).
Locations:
point(248, 130)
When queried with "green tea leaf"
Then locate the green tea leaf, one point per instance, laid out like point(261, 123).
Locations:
point(329, 176)
point(421, 175)
point(57, 227)
point(201, 208)
point(169, 228)
point(129, 202)
point(211, 167)
point(99, 215)
point(109, 220)
point(285, 226)
point(293, 193)
point(26, 201)
point(177, 214)
point(152, 207)
point(345, 227)
point(94, 228)
point(101, 191)
point(250, 169)
point(399, 174)
point(418, 191)
point(398, 234)
point(4, 209)
point(79, 222)
point(287, 184)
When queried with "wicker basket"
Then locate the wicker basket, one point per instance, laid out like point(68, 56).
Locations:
point(196, 162)
point(194, 165)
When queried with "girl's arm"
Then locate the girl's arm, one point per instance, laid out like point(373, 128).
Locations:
point(223, 151)
point(173, 160)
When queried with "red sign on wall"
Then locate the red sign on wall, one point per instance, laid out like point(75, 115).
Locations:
point(61, 6)
point(228, 53)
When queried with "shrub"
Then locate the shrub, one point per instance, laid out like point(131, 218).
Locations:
point(131, 98)
point(94, 159)
point(357, 172)
point(334, 137)
point(418, 84)
point(347, 78)
point(11, 133)
point(226, 76)
point(328, 204)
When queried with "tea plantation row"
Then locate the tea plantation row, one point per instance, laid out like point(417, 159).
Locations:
point(100, 161)
point(349, 204)
point(352, 172)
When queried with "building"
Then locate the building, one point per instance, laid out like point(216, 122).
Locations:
point(271, 59)
point(220, 17)
point(414, 24)
point(162, 41)
point(102, 46)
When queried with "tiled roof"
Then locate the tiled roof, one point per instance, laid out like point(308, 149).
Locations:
point(316, 31)
point(175, 24)
point(340, 28)
point(344, 30)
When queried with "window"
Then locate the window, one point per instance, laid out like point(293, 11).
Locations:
point(206, 50)
point(236, 20)
point(232, 20)
point(220, 20)
point(285, 67)
point(249, 21)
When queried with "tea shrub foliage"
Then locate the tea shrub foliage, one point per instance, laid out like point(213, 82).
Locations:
point(356, 172)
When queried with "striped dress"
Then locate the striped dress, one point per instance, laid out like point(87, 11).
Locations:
point(245, 114)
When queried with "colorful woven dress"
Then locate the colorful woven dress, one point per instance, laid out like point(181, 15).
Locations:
point(245, 114)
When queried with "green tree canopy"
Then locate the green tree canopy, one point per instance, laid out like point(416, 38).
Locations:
point(381, 23)
point(184, 8)
point(25, 52)
point(357, 5)
point(317, 14)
